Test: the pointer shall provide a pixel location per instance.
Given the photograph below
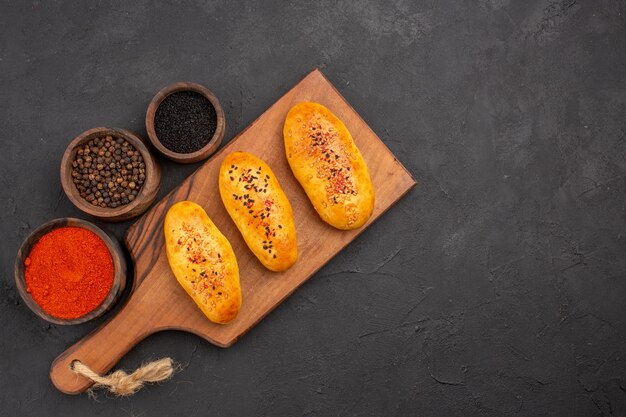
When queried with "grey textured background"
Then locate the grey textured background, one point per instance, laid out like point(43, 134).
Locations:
point(495, 288)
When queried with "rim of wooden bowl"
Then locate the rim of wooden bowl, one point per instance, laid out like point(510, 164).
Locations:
point(146, 195)
point(212, 144)
point(119, 266)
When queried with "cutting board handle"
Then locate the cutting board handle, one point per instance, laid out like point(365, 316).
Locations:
point(104, 347)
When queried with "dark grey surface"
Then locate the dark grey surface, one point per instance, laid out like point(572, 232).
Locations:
point(495, 288)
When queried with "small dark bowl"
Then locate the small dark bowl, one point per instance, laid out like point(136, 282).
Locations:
point(144, 198)
point(119, 265)
point(212, 144)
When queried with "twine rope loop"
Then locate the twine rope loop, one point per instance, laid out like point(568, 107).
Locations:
point(123, 384)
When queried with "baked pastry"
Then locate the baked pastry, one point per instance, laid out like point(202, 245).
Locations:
point(260, 209)
point(328, 165)
point(202, 261)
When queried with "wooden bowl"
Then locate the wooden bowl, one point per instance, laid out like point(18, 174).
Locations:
point(144, 198)
point(119, 265)
point(212, 144)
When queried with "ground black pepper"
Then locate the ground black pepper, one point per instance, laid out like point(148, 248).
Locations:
point(108, 172)
point(185, 121)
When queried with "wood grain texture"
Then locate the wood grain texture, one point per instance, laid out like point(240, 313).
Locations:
point(158, 302)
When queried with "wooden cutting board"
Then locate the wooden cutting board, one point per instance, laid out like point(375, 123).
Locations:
point(157, 301)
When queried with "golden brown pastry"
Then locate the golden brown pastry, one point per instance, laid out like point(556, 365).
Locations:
point(203, 261)
point(257, 204)
point(328, 165)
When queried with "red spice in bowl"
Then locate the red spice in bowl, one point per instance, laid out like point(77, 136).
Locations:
point(69, 272)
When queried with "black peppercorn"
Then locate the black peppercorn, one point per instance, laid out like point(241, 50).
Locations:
point(104, 174)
